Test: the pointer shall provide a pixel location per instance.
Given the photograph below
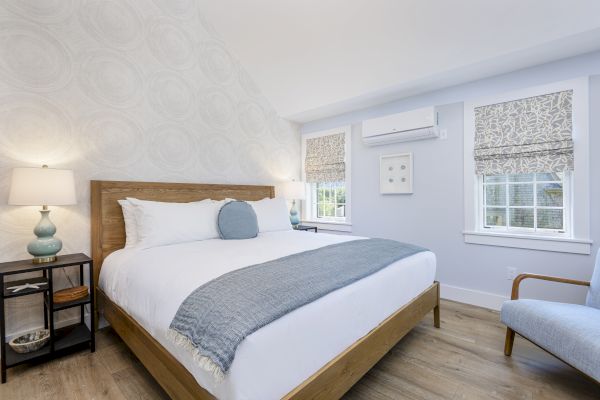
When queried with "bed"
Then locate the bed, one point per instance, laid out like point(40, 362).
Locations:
point(317, 351)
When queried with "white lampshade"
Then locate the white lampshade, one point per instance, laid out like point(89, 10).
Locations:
point(42, 187)
point(293, 190)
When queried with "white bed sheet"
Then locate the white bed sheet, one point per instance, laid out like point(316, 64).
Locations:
point(150, 285)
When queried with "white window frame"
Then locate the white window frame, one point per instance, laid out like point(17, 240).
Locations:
point(309, 206)
point(576, 239)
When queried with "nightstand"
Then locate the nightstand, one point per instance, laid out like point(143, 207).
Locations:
point(305, 228)
point(62, 340)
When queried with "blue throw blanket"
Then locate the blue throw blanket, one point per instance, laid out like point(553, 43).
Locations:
point(215, 318)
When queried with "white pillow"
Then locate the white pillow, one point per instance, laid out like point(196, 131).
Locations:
point(130, 226)
point(161, 223)
point(272, 214)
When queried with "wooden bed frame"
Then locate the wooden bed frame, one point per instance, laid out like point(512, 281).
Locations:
point(329, 382)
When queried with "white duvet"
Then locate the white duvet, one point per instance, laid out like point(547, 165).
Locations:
point(150, 285)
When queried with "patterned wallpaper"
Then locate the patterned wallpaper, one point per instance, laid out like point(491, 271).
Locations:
point(124, 90)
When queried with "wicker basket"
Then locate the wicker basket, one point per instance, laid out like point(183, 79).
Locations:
point(71, 294)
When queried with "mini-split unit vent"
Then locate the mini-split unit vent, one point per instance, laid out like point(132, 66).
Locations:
point(402, 127)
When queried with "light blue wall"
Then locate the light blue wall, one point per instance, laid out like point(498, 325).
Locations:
point(433, 215)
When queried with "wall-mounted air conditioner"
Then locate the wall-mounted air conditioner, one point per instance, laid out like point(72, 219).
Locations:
point(402, 127)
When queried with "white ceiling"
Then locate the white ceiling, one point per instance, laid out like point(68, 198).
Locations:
point(317, 58)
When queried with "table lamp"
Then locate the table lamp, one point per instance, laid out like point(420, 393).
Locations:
point(294, 190)
point(43, 187)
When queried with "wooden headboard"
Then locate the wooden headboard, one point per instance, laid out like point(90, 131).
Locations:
point(108, 227)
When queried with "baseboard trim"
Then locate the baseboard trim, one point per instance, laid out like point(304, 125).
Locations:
point(473, 297)
point(57, 325)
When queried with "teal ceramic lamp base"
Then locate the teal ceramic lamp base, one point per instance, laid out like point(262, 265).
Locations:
point(294, 219)
point(44, 248)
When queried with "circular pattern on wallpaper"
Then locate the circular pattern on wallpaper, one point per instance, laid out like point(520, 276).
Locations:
point(188, 176)
point(171, 96)
point(216, 62)
point(113, 138)
point(246, 81)
point(90, 172)
point(252, 119)
point(173, 148)
point(207, 26)
point(170, 44)
point(18, 222)
point(32, 57)
point(32, 129)
point(11, 219)
point(110, 79)
point(253, 159)
point(281, 162)
point(216, 108)
point(48, 11)
point(177, 8)
point(113, 23)
point(82, 182)
point(219, 153)
point(282, 131)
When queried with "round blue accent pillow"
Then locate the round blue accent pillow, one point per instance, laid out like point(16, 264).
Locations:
point(237, 220)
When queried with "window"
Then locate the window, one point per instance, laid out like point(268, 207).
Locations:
point(326, 169)
point(329, 200)
point(525, 203)
point(527, 168)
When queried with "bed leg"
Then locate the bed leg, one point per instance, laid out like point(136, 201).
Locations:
point(510, 340)
point(436, 309)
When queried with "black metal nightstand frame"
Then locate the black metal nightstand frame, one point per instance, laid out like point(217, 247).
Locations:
point(305, 228)
point(62, 340)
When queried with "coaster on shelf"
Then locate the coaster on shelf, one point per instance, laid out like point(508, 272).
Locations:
point(70, 294)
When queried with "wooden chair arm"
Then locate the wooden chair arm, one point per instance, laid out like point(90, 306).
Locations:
point(521, 277)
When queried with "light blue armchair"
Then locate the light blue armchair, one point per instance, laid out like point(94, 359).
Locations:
point(570, 332)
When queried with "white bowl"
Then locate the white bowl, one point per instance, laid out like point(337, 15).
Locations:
point(31, 341)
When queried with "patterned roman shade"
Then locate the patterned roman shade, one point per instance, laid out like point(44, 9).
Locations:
point(525, 136)
point(325, 158)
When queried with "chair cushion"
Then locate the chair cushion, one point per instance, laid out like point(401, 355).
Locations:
point(593, 297)
point(237, 220)
point(569, 331)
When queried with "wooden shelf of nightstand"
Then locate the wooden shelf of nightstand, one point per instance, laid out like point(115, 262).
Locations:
point(65, 339)
point(38, 280)
point(68, 304)
point(23, 266)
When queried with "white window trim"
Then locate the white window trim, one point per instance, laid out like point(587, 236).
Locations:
point(578, 240)
point(331, 225)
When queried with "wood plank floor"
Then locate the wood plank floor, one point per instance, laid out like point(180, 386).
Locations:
point(462, 360)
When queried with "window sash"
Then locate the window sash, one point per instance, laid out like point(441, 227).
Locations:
point(566, 199)
point(314, 188)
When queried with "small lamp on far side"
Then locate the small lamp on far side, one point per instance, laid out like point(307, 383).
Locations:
point(294, 190)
